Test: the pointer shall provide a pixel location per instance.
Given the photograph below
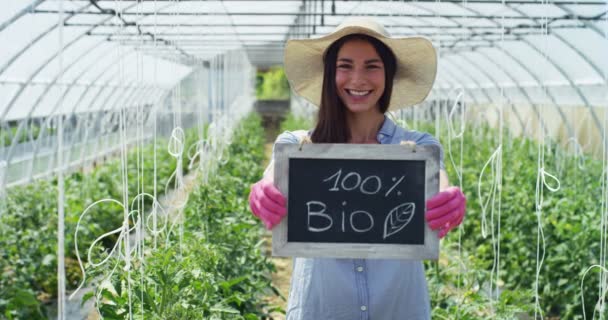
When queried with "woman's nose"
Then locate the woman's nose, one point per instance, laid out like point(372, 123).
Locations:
point(358, 76)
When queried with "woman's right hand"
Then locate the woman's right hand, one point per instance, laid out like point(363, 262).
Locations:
point(267, 203)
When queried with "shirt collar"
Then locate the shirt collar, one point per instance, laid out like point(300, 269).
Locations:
point(388, 127)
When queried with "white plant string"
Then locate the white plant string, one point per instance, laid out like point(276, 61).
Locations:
point(541, 184)
point(602, 260)
point(123, 233)
point(491, 203)
point(603, 280)
point(122, 128)
point(603, 277)
point(175, 148)
point(501, 121)
point(599, 306)
point(60, 188)
point(197, 150)
point(457, 107)
point(141, 230)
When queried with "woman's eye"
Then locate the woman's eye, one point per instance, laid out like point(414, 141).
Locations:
point(344, 66)
point(373, 67)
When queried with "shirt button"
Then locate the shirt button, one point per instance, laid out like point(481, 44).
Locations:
point(363, 308)
point(360, 269)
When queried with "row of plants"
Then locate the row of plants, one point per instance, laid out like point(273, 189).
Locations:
point(570, 221)
point(217, 268)
point(28, 224)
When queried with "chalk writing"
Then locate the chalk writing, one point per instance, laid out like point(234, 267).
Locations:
point(378, 185)
point(393, 187)
point(395, 220)
point(356, 201)
point(349, 185)
point(398, 218)
point(319, 214)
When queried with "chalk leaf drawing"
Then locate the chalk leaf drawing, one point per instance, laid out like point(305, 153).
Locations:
point(398, 218)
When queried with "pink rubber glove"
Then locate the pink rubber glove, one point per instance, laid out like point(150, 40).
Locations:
point(267, 203)
point(445, 211)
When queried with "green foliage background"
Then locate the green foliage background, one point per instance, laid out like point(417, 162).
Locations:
point(272, 84)
point(293, 123)
point(570, 220)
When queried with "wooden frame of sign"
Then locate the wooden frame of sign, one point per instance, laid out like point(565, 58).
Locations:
point(425, 157)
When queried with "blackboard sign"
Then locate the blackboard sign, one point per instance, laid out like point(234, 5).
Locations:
point(356, 201)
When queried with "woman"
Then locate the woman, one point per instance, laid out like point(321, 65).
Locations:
point(355, 75)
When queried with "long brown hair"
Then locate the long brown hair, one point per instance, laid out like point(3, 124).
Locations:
point(331, 120)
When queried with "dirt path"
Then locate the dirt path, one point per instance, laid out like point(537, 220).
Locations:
point(280, 279)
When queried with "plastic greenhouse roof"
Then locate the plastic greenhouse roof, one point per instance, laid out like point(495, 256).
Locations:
point(558, 47)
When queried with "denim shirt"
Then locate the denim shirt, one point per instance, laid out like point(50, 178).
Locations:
point(362, 289)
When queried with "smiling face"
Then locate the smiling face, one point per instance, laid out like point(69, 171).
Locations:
point(360, 76)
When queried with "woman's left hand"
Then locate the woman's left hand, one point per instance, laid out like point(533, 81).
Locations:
point(445, 211)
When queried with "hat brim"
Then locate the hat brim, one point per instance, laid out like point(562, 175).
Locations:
point(416, 66)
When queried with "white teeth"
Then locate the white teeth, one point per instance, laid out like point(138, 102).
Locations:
point(358, 93)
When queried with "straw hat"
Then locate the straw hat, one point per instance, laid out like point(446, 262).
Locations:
point(416, 63)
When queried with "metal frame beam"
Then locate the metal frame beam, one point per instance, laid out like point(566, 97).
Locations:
point(54, 109)
point(583, 56)
point(32, 42)
point(566, 17)
point(558, 108)
point(464, 71)
point(522, 26)
point(28, 9)
point(484, 90)
point(41, 67)
point(524, 93)
point(565, 2)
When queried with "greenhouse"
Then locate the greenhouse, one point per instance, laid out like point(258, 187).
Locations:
point(132, 133)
